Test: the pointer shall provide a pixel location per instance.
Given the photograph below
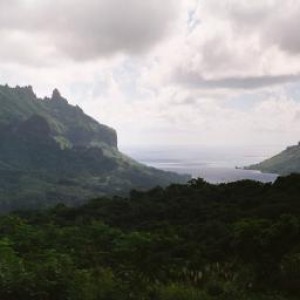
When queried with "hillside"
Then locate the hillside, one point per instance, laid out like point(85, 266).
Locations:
point(69, 125)
point(286, 162)
point(52, 152)
point(198, 241)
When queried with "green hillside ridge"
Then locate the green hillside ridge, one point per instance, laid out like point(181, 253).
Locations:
point(52, 152)
point(67, 122)
point(284, 163)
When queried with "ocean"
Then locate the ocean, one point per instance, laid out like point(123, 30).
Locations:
point(213, 164)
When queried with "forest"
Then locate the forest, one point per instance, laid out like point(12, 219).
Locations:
point(195, 241)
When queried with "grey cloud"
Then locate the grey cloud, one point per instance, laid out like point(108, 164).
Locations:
point(90, 29)
point(194, 80)
point(285, 32)
point(277, 22)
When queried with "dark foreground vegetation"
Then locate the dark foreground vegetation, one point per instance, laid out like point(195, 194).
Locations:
point(186, 242)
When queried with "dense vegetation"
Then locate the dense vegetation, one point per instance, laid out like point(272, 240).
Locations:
point(52, 152)
point(186, 242)
point(284, 163)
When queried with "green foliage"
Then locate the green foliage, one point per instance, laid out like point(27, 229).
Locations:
point(181, 292)
point(194, 241)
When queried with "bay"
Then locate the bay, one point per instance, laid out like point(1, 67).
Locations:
point(213, 164)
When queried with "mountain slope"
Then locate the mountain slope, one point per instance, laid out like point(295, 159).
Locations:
point(52, 152)
point(66, 121)
point(286, 162)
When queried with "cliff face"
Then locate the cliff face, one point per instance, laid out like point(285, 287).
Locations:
point(52, 152)
point(286, 162)
point(67, 122)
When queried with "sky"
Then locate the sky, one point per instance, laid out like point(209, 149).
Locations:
point(171, 72)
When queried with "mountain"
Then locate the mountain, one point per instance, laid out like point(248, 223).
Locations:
point(52, 152)
point(68, 124)
point(286, 162)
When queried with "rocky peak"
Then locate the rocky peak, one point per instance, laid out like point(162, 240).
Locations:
point(56, 96)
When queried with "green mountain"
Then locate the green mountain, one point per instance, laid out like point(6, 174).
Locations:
point(52, 152)
point(286, 162)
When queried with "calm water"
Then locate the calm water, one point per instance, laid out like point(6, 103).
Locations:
point(214, 164)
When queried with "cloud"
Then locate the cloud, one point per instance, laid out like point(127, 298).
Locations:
point(276, 22)
point(234, 45)
point(285, 32)
point(85, 30)
point(194, 80)
point(200, 60)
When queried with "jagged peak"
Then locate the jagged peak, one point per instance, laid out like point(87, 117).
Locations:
point(56, 93)
point(64, 119)
point(56, 96)
point(21, 90)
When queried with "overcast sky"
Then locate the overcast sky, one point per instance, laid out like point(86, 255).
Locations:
point(214, 72)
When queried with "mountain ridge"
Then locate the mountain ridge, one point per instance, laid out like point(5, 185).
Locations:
point(284, 163)
point(52, 152)
point(64, 119)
